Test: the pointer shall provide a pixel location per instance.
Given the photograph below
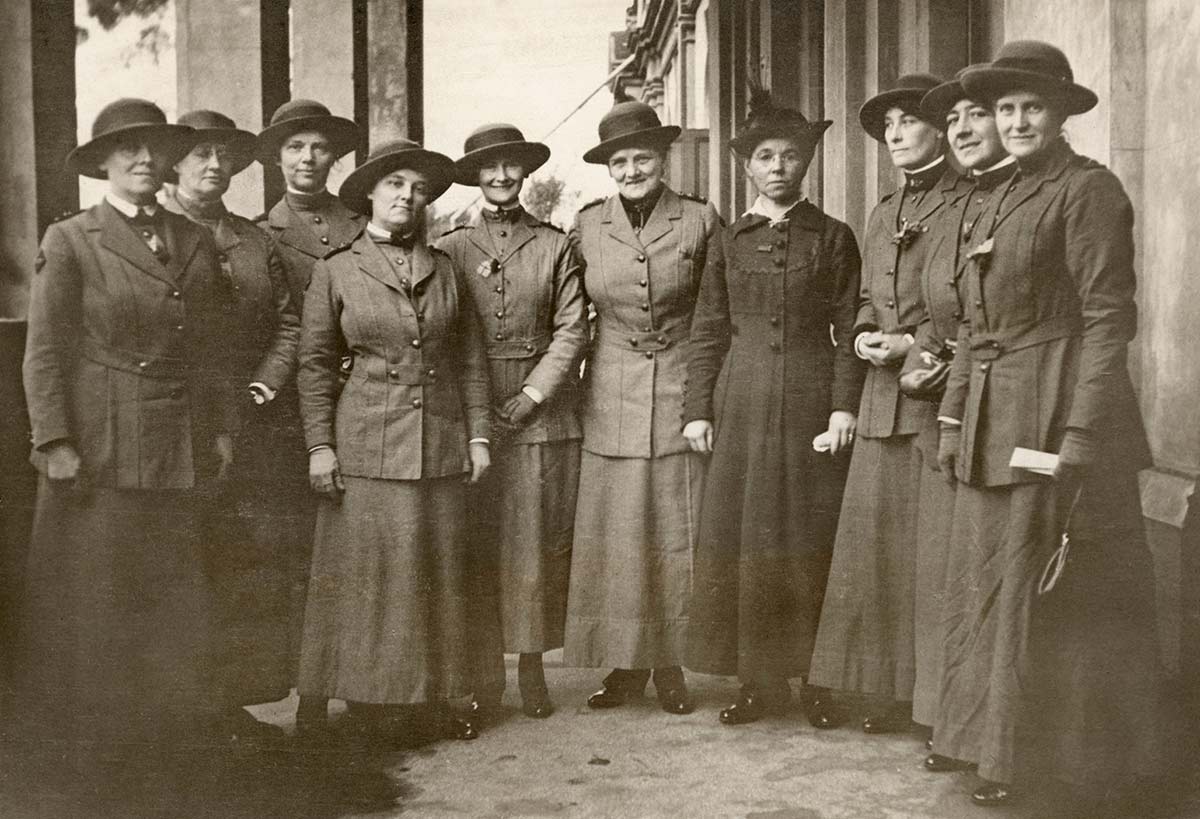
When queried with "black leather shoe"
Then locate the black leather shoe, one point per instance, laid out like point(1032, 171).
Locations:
point(936, 763)
point(483, 710)
point(992, 795)
point(607, 698)
point(676, 701)
point(894, 721)
point(826, 714)
point(537, 707)
point(459, 728)
point(748, 708)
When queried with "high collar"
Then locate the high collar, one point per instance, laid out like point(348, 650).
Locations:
point(384, 237)
point(644, 205)
point(128, 209)
point(764, 207)
point(308, 201)
point(197, 210)
point(990, 177)
point(495, 213)
point(924, 178)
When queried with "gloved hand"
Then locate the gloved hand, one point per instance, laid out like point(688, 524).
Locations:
point(949, 444)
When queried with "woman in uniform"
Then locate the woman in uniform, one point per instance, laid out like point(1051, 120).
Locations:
point(125, 373)
point(1052, 666)
point(524, 279)
point(765, 378)
point(640, 484)
point(250, 531)
point(303, 141)
point(392, 452)
point(866, 639)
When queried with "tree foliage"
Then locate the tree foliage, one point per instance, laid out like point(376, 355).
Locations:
point(543, 196)
point(110, 12)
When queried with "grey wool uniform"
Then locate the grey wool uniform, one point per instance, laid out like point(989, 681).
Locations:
point(523, 276)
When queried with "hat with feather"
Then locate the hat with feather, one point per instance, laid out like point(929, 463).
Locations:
point(766, 120)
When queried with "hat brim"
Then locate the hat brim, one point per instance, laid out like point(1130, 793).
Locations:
point(662, 135)
point(357, 187)
point(85, 160)
point(744, 143)
point(342, 132)
point(871, 115)
point(530, 155)
point(240, 144)
point(941, 100)
point(990, 83)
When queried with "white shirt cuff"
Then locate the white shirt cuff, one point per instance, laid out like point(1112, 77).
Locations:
point(261, 389)
point(534, 394)
point(313, 449)
point(946, 419)
point(858, 339)
point(480, 441)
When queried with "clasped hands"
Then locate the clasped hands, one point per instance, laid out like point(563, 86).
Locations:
point(884, 349)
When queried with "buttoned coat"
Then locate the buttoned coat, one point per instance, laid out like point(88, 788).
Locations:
point(263, 316)
point(770, 357)
point(303, 238)
point(891, 300)
point(418, 386)
point(126, 357)
point(644, 288)
point(533, 315)
point(1050, 315)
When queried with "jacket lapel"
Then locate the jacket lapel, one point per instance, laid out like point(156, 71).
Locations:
point(667, 210)
point(522, 234)
point(475, 234)
point(372, 262)
point(183, 238)
point(618, 223)
point(344, 226)
point(118, 236)
point(1028, 185)
point(293, 232)
point(938, 196)
point(422, 262)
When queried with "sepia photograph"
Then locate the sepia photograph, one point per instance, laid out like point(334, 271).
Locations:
point(778, 409)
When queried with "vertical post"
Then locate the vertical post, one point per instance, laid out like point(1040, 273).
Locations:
point(275, 54)
point(845, 68)
point(394, 70)
point(322, 63)
point(218, 62)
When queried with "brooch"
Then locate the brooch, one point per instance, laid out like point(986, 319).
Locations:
point(907, 233)
point(487, 267)
point(981, 250)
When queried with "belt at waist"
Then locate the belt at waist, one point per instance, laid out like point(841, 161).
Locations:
point(519, 347)
point(652, 341)
point(376, 369)
point(131, 361)
point(990, 346)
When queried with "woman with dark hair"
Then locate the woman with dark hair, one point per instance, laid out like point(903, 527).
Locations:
point(303, 140)
point(866, 642)
point(643, 251)
point(125, 372)
point(391, 453)
point(1052, 663)
point(766, 377)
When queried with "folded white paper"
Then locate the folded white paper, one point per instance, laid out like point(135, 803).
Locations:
point(1032, 460)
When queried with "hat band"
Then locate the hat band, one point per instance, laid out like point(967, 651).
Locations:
point(492, 139)
point(1036, 66)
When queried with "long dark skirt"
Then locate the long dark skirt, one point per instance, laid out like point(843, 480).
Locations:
point(935, 515)
point(865, 641)
point(631, 567)
point(767, 527)
point(522, 525)
point(1064, 684)
point(389, 598)
point(115, 625)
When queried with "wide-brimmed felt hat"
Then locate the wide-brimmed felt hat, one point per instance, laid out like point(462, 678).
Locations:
point(215, 127)
point(942, 98)
point(393, 156)
point(630, 124)
point(1033, 66)
point(498, 140)
point(128, 119)
point(906, 94)
point(295, 116)
point(766, 121)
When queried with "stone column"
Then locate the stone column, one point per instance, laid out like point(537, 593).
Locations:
point(323, 63)
point(395, 73)
point(218, 66)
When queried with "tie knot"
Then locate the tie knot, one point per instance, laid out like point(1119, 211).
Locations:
point(144, 217)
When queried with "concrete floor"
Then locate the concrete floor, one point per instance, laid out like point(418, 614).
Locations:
point(634, 761)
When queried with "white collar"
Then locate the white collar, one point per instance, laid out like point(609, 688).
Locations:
point(378, 232)
point(128, 208)
point(765, 207)
point(924, 168)
point(486, 205)
point(1008, 160)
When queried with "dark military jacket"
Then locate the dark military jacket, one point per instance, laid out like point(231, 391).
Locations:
point(307, 231)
